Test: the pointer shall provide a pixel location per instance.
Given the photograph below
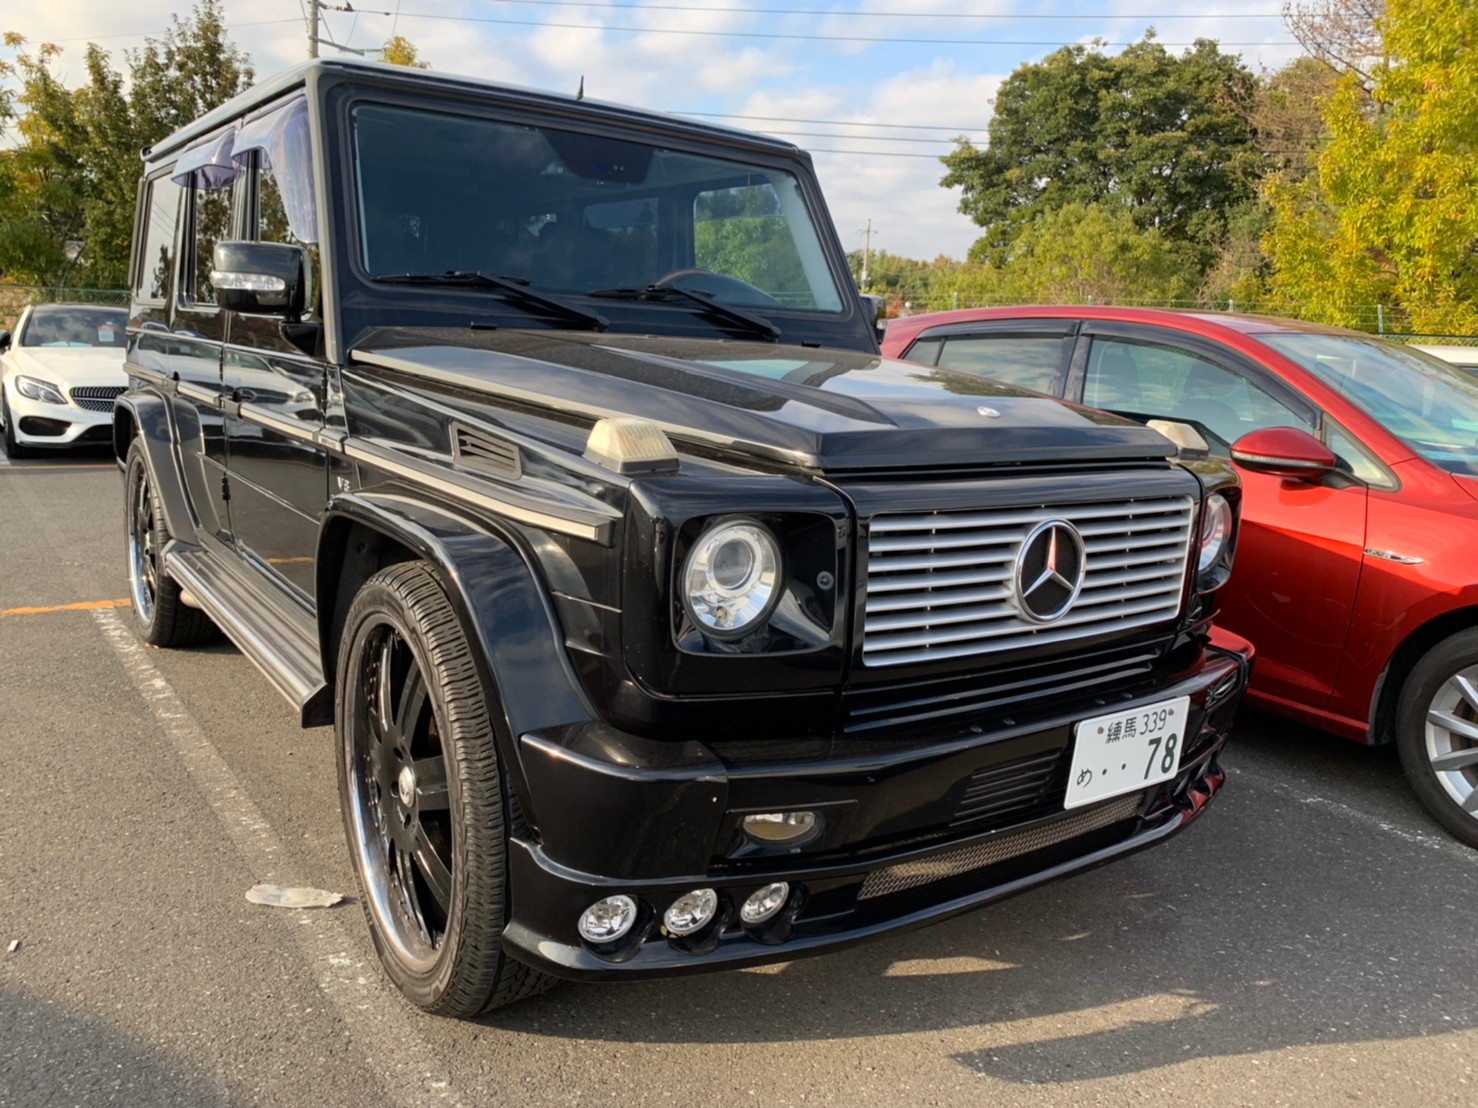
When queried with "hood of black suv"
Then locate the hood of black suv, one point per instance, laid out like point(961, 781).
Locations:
point(830, 410)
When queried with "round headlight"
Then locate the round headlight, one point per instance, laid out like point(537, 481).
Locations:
point(1216, 531)
point(731, 579)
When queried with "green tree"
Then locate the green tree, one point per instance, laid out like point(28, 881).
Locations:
point(399, 50)
point(1392, 215)
point(71, 176)
point(192, 69)
point(1163, 137)
point(1096, 253)
point(42, 181)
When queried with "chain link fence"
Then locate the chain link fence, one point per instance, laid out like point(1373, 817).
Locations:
point(15, 298)
point(1375, 318)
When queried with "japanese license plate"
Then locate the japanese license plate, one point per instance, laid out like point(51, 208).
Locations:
point(1128, 750)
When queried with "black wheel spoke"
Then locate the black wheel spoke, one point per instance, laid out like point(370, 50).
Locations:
point(384, 691)
point(435, 871)
point(412, 700)
point(431, 789)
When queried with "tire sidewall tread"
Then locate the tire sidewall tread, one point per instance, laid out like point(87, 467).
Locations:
point(472, 973)
point(1454, 653)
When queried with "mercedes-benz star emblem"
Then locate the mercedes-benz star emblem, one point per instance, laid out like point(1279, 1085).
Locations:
point(1049, 571)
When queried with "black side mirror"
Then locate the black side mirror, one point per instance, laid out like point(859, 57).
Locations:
point(259, 278)
point(4, 341)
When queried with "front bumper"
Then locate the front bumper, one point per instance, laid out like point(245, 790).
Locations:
point(41, 424)
point(654, 821)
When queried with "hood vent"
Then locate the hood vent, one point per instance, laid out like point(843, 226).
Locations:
point(486, 453)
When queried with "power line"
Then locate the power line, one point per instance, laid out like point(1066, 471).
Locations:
point(165, 31)
point(868, 14)
point(776, 35)
point(834, 122)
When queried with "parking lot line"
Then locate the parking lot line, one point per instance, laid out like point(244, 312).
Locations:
point(1423, 839)
point(368, 1007)
point(80, 606)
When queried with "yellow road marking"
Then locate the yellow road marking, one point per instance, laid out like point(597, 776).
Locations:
point(302, 561)
point(84, 606)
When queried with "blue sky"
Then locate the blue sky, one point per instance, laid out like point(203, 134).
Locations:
point(835, 76)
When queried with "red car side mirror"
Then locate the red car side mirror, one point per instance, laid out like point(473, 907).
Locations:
point(1284, 452)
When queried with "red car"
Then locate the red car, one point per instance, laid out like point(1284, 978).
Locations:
point(1357, 566)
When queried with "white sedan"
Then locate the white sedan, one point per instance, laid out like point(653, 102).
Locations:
point(60, 373)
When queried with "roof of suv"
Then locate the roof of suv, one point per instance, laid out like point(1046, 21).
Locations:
point(299, 75)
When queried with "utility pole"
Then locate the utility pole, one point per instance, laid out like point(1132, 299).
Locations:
point(866, 253)
point(313, 28)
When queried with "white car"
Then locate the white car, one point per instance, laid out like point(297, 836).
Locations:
point(1464, 357)
point(60, 373)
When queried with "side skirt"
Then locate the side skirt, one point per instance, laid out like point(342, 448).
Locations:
point(286, 653)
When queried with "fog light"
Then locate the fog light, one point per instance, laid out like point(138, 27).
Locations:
point(781, 828)
point(691, 912)
point(607, 920)
point(765, 902)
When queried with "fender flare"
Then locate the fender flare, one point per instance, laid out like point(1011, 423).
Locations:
point(145, 416)
point(501, 601)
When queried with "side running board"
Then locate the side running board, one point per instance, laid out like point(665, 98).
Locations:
point(280, 649)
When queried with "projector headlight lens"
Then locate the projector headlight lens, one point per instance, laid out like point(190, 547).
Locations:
point(731, 578)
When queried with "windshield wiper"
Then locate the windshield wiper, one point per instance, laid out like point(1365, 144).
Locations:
point(755, 324)
point(516, 288)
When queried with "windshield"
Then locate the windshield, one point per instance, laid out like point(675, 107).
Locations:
point(1428, 404)
point(575, 213)
point(79, 325)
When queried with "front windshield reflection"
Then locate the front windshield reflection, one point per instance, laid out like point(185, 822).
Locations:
point(1428, 404)
point(576, 213)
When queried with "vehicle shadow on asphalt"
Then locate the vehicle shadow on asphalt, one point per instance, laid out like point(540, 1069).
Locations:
point(49, 1055)
point(1272, 923)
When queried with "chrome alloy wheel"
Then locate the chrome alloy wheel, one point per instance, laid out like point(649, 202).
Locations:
point(400, 814)
point(1452, 738)
point(143, 557)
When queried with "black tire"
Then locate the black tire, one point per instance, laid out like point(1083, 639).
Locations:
point(423, 797)
point(13, 449)
point(1437, 733)
point(161, 617)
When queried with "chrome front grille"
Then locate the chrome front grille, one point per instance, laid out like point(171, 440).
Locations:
point(939, 584)
point(97, 398)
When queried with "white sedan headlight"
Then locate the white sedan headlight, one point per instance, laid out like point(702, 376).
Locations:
point(731, 579)
point(33, 388)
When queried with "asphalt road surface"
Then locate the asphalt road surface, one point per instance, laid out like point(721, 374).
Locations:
point(1311, 941)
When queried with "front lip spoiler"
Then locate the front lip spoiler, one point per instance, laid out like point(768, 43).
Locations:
point(662, 960)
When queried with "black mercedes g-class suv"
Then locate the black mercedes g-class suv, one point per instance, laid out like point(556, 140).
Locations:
point(543, 448)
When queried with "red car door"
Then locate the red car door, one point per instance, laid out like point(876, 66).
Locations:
point(1301, 545)
point(1294, 581)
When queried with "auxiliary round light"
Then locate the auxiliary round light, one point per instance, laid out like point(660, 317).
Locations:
point(731, 578)
point(609, 919)
point(691, 912)
point(1216, 531)
point(781, 828)
point(764, 903)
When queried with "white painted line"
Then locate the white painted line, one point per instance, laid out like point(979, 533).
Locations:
point(1441, 843)
point(409, 1071)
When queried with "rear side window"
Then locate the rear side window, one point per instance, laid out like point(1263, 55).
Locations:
point(156, 257)
point(1025, 361)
